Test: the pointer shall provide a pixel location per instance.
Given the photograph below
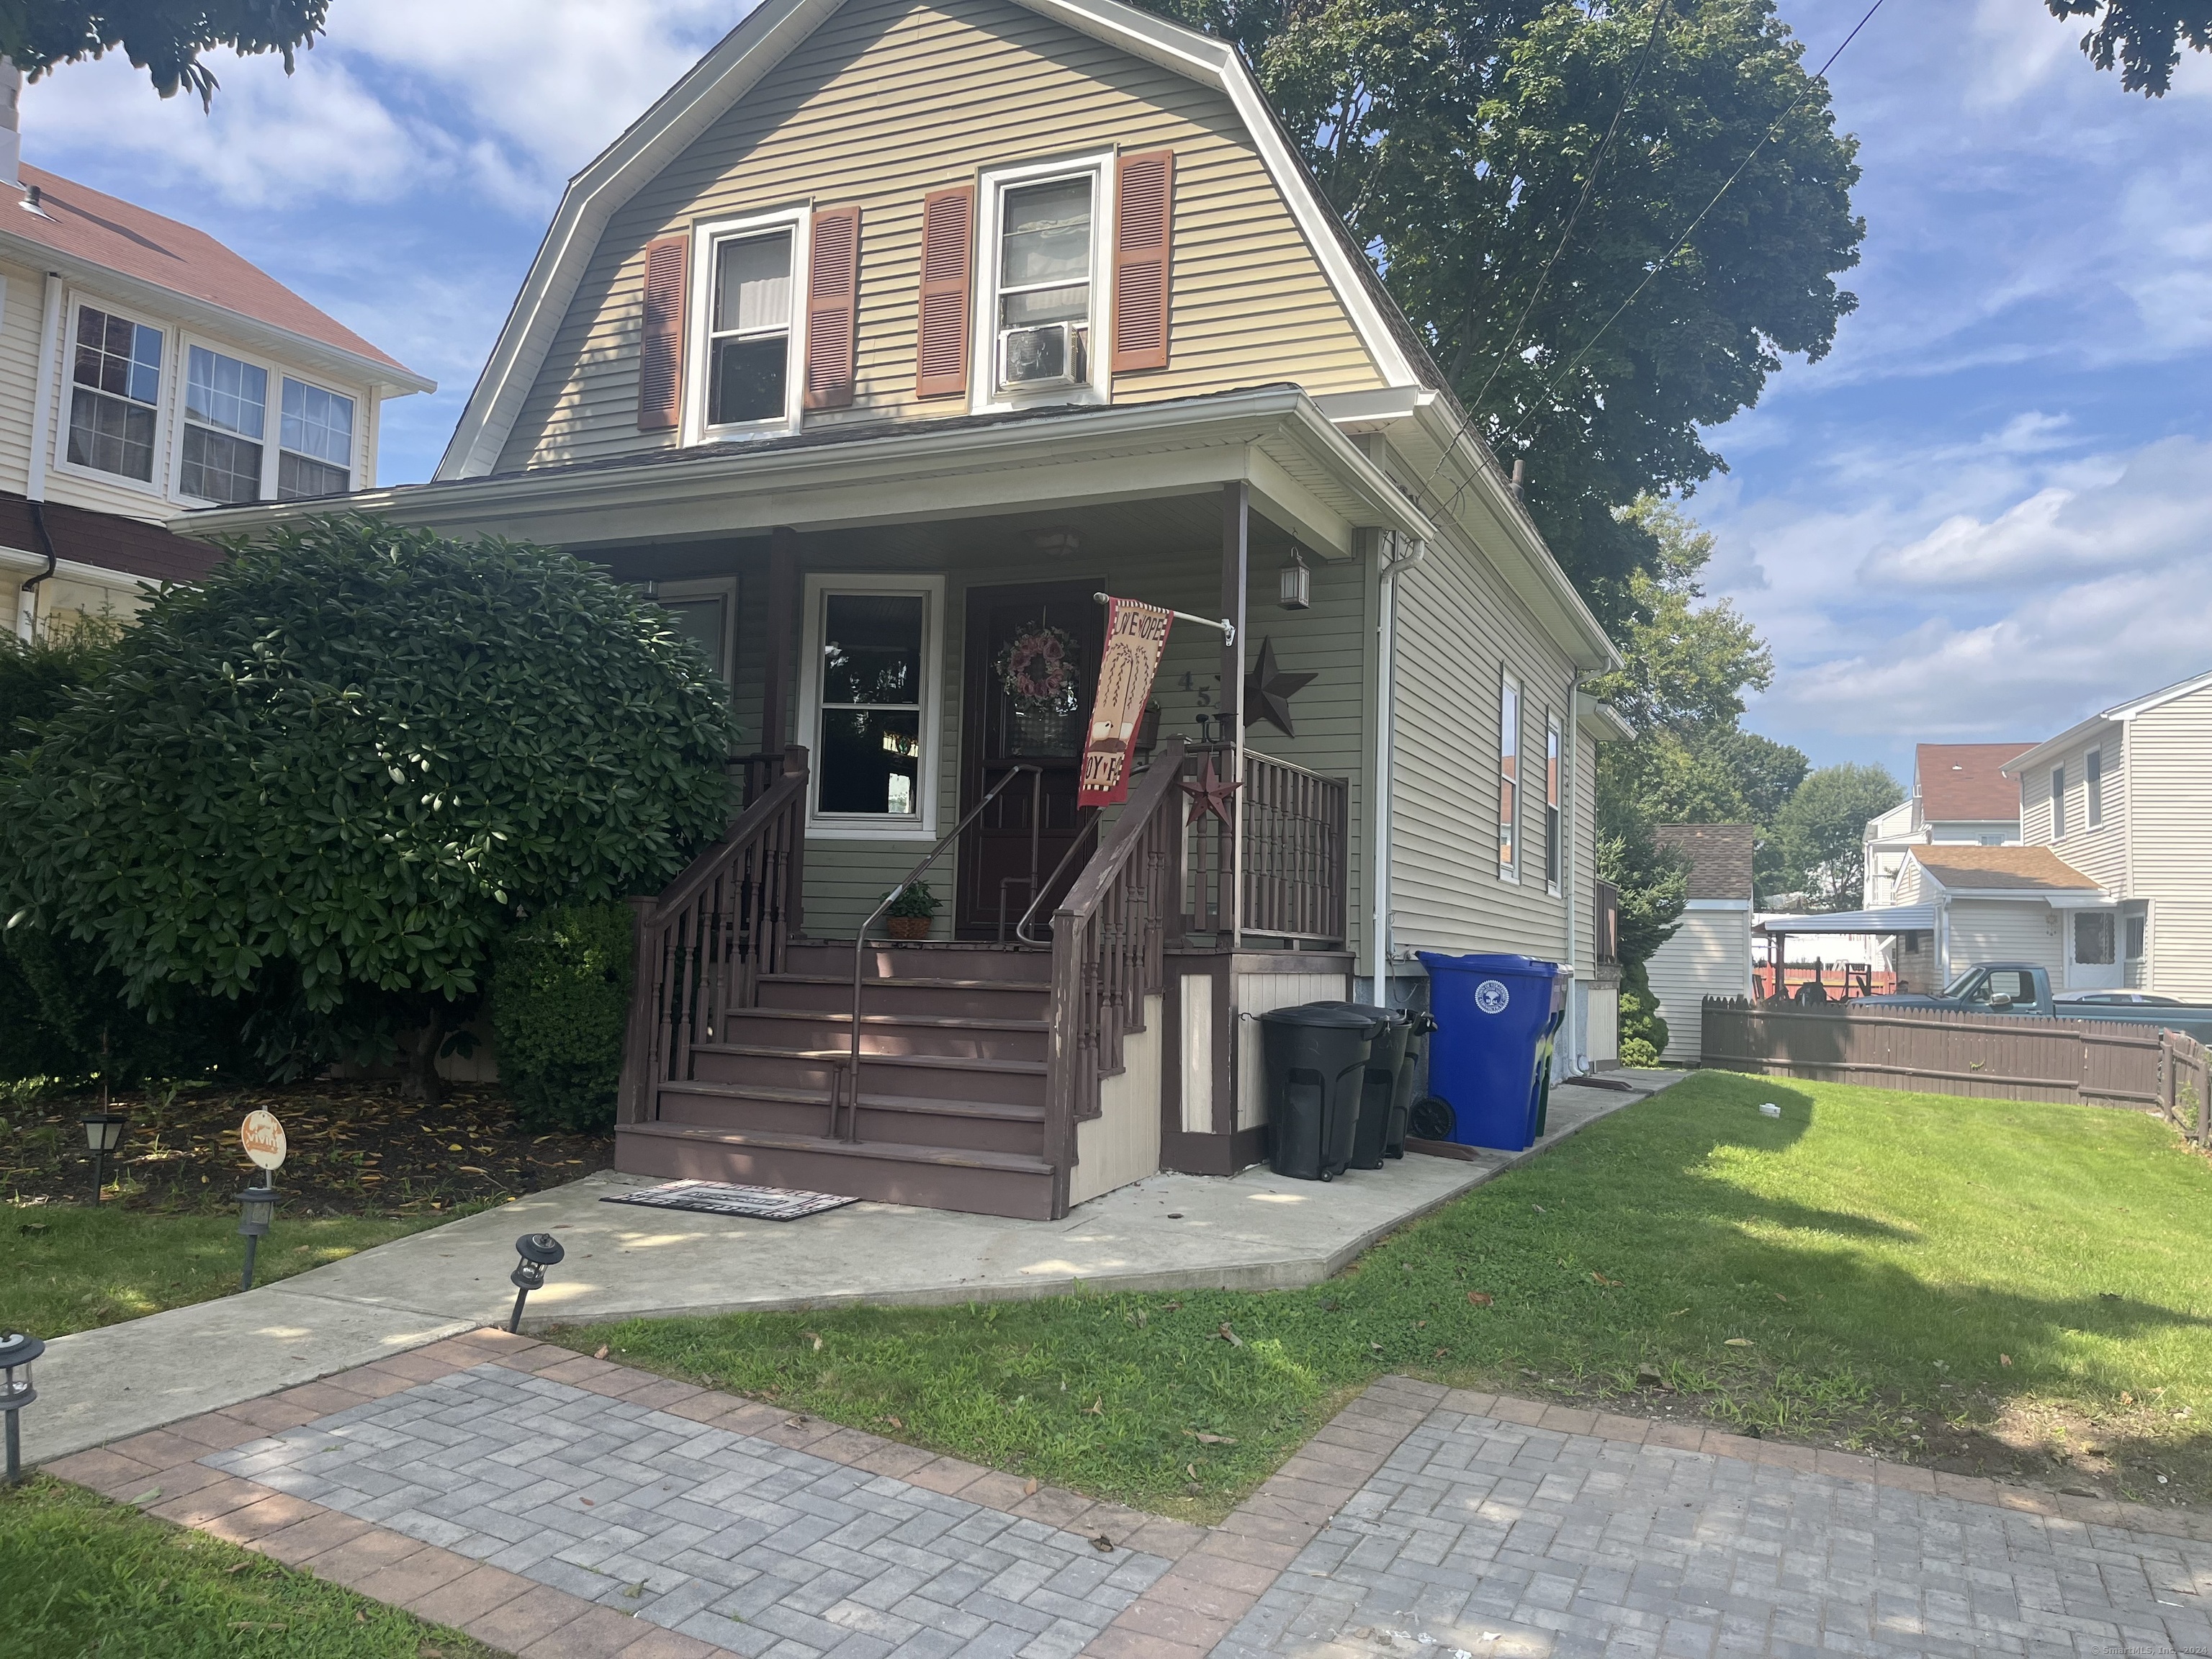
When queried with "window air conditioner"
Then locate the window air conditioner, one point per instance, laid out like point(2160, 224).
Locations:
point(1049, 355)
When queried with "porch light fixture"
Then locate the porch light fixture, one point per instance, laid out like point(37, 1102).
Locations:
point(1059, 542)
point(539, 1252)
point(1298, 582)
point(257, 1208)
point(103, 1133)
point(17, 1351)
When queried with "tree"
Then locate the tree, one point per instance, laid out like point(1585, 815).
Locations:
point(2143, 37)
point(165, 38)
point(322, 780)
point(1455, 139)
point(1820, 834)
point(1654, 885)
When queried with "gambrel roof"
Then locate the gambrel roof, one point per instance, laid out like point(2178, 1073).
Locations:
point(746, 56)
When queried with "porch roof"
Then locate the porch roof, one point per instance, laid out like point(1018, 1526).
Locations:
point(1897, 919)
point(1304, 474)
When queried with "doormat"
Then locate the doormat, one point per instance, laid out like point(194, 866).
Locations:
point(716, 1198)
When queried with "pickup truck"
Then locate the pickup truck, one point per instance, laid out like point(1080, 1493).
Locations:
point(2021, 987)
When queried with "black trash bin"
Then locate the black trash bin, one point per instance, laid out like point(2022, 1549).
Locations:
point(1386, 1064)
point(1419, 1025)
point(1315, 1056)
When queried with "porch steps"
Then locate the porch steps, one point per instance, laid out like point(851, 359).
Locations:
point(952, 1113)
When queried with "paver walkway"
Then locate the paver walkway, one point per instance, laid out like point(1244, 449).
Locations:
point(1484, 1536)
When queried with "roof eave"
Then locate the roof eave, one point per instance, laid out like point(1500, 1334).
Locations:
point(303, 350)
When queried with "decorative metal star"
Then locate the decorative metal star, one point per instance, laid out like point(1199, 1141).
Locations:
point(1268, 691)
point(1209, 795)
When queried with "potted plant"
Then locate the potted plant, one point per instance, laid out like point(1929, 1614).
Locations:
point(911, 911)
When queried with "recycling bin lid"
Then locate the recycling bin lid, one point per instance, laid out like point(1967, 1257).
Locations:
point(1498, 962)
point(1335, 1016)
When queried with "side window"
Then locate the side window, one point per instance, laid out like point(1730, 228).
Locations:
point(115, 394)
point(1552, 795)
point(2010, 983)
point(2057, 802)
point(749, 331)
point(226, 418)
point(1509, 780)
point(2092, 781)
point(871, 649)
point(314, 453)
point(1042, 306)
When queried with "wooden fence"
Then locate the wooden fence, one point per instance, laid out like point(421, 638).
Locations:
point(1985, 1056)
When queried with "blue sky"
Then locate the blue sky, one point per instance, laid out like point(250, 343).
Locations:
point(1986, 512)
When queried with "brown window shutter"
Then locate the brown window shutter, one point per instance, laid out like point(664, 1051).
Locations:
point(1144, 236)
point(833, 303)
point(948, 237)
point(660, 349)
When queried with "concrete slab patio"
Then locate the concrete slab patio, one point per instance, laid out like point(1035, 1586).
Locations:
point(1255, 1230)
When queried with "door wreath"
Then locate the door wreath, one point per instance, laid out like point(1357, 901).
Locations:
point(1038, 670)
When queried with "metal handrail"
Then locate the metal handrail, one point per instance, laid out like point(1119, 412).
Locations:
point(860, 945)
point(1022, 927)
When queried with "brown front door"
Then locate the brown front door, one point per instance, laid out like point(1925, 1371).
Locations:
point(1005, 726)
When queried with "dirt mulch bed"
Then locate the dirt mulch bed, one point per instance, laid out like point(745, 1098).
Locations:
point(354, 1148)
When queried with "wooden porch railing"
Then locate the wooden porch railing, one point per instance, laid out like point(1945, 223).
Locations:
point(703, 944)
point(1293, 853)
point(1109, 937)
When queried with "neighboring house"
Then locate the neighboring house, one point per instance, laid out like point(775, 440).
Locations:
point(2122, 797)
point(1709, 954)
point(144, 367)
point(1956, 907)
point(1960, 795)
point(879, 345)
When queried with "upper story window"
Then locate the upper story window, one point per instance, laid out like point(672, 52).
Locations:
point(1043, 283)
point(226, 417)
point(1509, 780)
point(2057, 802)
point(749, 331)
point(315, 443)
point(115, 394)
point(2093, 782)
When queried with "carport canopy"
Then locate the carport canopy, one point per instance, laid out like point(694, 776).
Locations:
point(1897, 919)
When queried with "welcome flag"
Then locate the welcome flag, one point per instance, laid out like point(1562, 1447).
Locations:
point(1135, 635)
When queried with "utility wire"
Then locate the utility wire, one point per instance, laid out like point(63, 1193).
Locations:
point(1589, 183)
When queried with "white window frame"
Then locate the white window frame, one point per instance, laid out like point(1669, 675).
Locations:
point(839, 826)
point(711, 587)
point(1555, 778)
point(984, 395)
point(357, 468)
point(272, 413)
point(166, 404)
point(1508, 691)
point(705, 240)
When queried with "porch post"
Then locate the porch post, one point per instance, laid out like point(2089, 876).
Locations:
point(1236, 528)
point(782, 600)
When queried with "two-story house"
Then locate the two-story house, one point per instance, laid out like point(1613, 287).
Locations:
point(146, 368)
point(1960, 796)
point(892, 336)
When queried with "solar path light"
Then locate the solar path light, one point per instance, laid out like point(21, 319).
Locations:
point(262, 1137)
point(17, 1351)
point(103, 1133)
point(539, 1251)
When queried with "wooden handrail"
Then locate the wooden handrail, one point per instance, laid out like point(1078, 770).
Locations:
point(1162, 776)
point(741, 827)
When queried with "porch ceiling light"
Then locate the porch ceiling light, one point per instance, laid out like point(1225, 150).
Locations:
point(103, 1133)
point(1298, 582)
point(538, 1251)
point(17, 1351)
point(1059, 542)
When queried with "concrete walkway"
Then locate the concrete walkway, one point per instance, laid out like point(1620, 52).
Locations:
point(1255, 1231)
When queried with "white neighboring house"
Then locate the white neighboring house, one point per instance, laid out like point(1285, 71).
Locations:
point(2001, 904)
point(1960, 796)
point(2125, 799)
point(146, 368)
point(1709, 954)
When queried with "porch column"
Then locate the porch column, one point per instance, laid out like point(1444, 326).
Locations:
point(782, 600)
point(1236, 528)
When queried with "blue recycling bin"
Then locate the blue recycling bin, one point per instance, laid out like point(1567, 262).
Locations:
point(1490, 1059)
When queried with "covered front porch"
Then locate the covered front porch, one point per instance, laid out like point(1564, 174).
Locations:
point(1071, 1022)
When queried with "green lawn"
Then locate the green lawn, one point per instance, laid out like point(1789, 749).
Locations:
point(80, 1576)
point(2016, 1288)
point(69, 1267)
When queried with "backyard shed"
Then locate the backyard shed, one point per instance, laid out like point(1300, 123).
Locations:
point(1709, 954)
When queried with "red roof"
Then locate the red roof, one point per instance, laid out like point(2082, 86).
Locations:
point(1961, 783)
point(119, 237)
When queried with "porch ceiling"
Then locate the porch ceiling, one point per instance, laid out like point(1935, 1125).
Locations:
point(1037, 467)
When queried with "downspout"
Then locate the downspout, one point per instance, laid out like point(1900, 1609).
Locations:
point(1378, 933)
point(1570, 809)
point(34, 471)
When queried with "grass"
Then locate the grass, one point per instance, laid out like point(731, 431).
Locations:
point(71, 1268)
point(80, 1576)
point(2013, 1288)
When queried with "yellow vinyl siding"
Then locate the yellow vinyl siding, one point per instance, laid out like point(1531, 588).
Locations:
point(889, 99)
point(1457, 627)
point(2170, 808)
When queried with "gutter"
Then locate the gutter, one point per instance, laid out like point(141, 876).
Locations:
point(34, 470)
point(1386, 587)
